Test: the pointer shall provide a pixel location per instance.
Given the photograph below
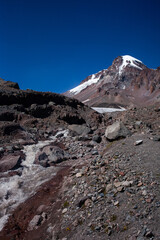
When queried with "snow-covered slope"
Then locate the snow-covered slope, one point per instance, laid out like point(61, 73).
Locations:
point(84, 85)
point(95, 78)
point(129, 61)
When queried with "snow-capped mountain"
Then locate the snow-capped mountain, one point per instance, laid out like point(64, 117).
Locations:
point(127, 81)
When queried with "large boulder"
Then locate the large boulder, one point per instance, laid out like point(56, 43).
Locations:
point(50, 155)
point(80, 129)
point(116, 130)
point(11, 162)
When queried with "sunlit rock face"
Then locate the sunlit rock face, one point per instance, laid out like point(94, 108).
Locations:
point(126, 82)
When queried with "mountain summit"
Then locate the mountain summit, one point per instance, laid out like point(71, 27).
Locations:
point(127, 81)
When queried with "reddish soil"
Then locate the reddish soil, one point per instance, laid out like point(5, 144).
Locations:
point(47, 195)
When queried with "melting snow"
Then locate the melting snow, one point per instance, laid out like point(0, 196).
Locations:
point(128, 60)
point(82, 86)
point(16, 189)
point(105, 110)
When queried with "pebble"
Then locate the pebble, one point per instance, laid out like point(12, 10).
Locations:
point(120, 189)
point(138, 142)
point(139, 184)
point(108, 187)
point(127, 183)
point(116, 203)
point(117, 184)
point(149, 234)
point(78, 175)
point(144, 192)
point(64, 210)
point(88, 202)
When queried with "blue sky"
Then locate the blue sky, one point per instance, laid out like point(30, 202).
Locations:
point(49, 45)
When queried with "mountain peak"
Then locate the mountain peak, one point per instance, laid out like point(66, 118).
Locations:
point(120, 63)
point(130, 58)
point(130, 61)
point(125, 82)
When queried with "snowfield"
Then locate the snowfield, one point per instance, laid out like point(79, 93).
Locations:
point(105, 110)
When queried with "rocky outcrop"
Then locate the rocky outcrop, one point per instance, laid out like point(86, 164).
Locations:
point(5, 84)
point(22, 113)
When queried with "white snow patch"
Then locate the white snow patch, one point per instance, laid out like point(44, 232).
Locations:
point(105, 110)
point(82, 86)
point(128, 60)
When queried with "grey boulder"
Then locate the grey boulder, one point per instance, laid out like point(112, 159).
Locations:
point(80, 129)
point(116, 130)
point(50, 155)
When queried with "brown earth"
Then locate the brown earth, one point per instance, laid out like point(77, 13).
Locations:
point(107, 190)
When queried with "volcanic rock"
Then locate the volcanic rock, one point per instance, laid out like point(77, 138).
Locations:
point(116, 130)
point(80, 129)
point(50, 155)
point(11, 162)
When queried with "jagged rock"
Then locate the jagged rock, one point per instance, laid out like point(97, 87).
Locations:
point(50, 155)
point(80, 129)
point(97, 138)
point(78, 175)
point(116, 130)
point(109, 187)
point(156, 138)
point(36, 221)
point(9, 84)
point(11, 162)
point(82, 201)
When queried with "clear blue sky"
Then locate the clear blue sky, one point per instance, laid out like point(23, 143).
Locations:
point(49, 45)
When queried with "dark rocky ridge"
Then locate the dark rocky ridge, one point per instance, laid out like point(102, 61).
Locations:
point(21, 110)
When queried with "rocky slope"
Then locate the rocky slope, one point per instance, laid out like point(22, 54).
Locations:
point(126, 82)
point(66, 172)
